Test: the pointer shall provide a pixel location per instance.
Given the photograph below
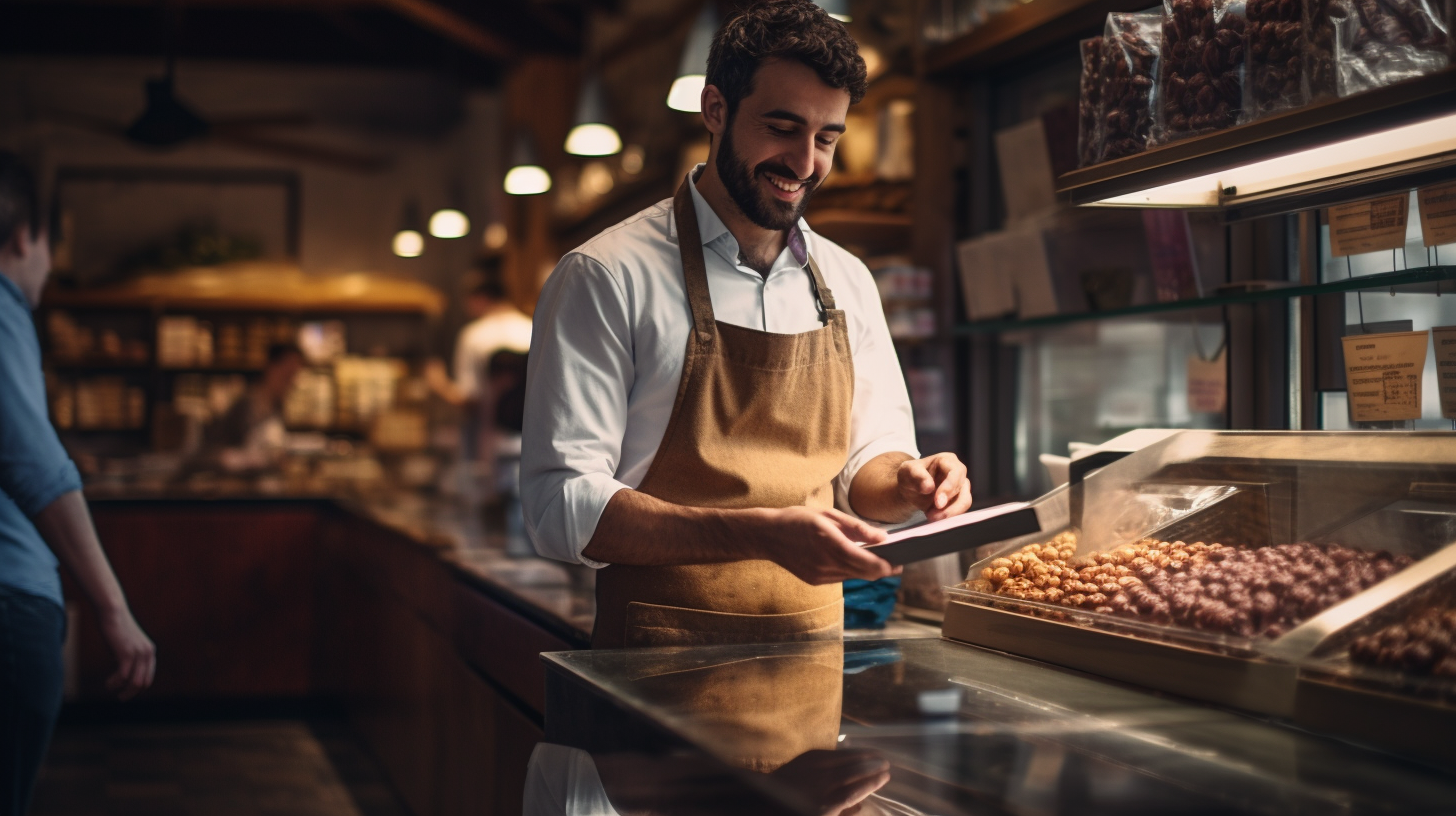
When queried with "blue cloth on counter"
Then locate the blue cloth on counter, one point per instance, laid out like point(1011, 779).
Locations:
point(868, 604)
point(34, 468)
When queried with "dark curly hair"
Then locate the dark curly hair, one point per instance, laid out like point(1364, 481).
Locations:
point(785, 29)
point(19, 202)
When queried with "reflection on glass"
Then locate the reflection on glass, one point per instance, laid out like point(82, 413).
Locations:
point(1094, 381)
point(1423, 311)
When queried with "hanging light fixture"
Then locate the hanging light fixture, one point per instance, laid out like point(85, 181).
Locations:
point(590, 134)
point(526, 176)
point(692, 73)
point(408, 242)
point(451, 221)
point(838, 9)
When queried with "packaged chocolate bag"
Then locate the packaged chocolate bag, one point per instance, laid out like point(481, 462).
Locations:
point(1130, 53)
point(1201, 74)
point(1089, 103)
point(1274, 78)
point(1380, 42)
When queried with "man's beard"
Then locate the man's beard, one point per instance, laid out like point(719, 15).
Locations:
point(763, 210)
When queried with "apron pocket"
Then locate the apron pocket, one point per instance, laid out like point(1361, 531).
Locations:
point(656, 625)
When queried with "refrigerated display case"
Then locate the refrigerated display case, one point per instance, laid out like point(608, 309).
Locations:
point(1240, 567)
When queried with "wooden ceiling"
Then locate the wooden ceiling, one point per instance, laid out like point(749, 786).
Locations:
point(476, 41)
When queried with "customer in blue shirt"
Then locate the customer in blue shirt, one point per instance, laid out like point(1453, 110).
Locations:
point(43, 517)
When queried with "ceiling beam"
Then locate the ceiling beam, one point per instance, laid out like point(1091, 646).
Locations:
point(452, 26)
point(428, 14)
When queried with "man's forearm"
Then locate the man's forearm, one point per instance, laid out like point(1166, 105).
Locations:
point(874, 494)
point(641, 530)
point(66, 526)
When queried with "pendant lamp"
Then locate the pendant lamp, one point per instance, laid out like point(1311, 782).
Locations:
point(692, 73)
point(590, 134)
point(526, 176)
point(408, 242)
point(838, 9)
point(451, 221)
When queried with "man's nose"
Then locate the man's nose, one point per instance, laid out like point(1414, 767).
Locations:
point(801, 159)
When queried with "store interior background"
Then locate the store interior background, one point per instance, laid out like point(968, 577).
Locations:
point(384, 111)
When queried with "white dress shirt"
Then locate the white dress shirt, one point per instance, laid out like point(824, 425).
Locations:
point(610, 332)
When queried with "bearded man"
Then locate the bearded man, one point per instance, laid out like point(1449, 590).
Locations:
point(713, 402)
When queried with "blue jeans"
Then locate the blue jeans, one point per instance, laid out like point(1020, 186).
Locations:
point(31, 631)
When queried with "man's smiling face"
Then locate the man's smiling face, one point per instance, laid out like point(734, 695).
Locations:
point(779, 145)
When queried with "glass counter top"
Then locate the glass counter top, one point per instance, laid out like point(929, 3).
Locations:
point(967, 730)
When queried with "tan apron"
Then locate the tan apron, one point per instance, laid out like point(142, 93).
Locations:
point(760, 420)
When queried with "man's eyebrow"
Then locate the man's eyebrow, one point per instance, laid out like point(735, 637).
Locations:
point(790, 116)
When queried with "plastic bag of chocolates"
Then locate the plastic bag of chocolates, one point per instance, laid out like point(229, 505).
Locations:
point(1276, 57)
point(1089, 103)
point(1201, 79)
point(1319, 52)
point(1130, 49)
point(1380, 42)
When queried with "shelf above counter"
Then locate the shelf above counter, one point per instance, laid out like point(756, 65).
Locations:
point(1435, 280)
point(1321, 154)
point(1020, 31)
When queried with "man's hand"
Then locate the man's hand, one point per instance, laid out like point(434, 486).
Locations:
point(136, 657)
point(821, 546)
point(936, 484)
point(836, 782)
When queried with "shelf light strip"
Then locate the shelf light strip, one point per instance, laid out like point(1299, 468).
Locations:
point(1400, 144)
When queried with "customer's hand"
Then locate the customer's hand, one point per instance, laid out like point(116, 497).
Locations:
point(936, 484)
point(821, 546)
point(136, 657)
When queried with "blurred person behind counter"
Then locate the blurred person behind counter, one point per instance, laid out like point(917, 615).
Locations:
point(43, 519)
point(250, 435)
point(487, 352)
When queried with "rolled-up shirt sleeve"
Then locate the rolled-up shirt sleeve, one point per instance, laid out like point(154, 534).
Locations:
point(34, 467)
point(579, 374)
point(881, 419)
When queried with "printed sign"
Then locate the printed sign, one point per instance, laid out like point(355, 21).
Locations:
point(1444, 339)
point(1207, 384)
point(1383, 375)
point(1438, 214)
point(1368, 226)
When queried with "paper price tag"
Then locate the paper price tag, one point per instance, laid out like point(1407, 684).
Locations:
point(1368, 226)
point(1207, 384)
point(1438, 214)
point(1444, 339)
point(1383, 375)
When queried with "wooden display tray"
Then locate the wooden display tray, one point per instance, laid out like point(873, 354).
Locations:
point(1246, 683)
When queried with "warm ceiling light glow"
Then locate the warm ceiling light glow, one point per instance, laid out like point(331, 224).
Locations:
point(408, 243)
point(527, 179)
point(1326, 161)
point(496, 235)
point(838, 9)
point(593, 139)
point(687, 93)
point(632, 159)
point(692, 71)
point(449, 223)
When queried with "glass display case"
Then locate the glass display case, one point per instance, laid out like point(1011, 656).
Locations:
point(1260, 570)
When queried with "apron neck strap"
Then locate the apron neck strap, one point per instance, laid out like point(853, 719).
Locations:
point(695, 270)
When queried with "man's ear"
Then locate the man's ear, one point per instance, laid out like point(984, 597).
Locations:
point(16, 243)
point(715, 109)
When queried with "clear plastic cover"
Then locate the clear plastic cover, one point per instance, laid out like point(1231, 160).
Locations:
point(1380, 42)
point(1231, 540)
point(1277, 57)
point(1201, 74)
point(1089, 107)
point(1131, 46)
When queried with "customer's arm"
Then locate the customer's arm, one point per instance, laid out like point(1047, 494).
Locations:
point(66, 526)
point(38, 476)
